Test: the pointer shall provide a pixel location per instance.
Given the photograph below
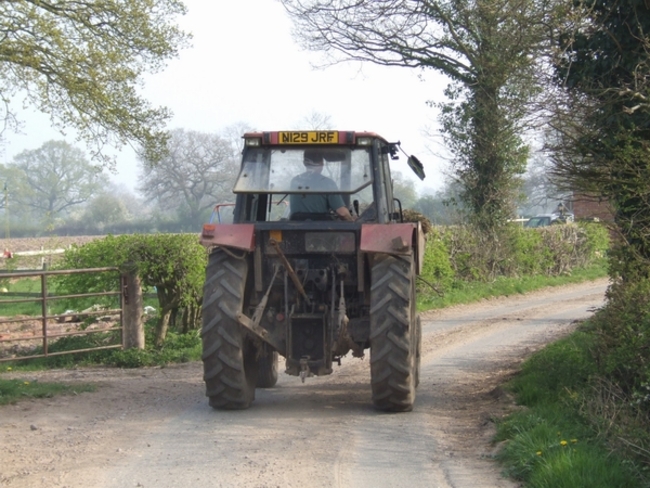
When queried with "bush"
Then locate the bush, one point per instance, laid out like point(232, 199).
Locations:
point(436, 269)
point(171, 264)
point(463, 254)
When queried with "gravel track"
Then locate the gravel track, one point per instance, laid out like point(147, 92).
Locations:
point(153, 427)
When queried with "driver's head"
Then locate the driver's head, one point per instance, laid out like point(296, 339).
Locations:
point(313, 159)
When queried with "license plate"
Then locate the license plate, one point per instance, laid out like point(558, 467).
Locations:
point(308, 137)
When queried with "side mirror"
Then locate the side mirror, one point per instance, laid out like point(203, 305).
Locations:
point(415, 164)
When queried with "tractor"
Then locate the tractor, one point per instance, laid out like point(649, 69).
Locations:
point(312, 284)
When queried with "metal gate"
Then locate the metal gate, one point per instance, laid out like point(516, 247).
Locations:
point(46, 336)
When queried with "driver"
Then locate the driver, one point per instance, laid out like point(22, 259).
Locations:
point(316, 203)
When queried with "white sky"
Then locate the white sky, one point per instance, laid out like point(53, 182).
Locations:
point(244, 66)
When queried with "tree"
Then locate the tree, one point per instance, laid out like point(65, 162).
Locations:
point(54, 178)
point(487, 47)
point(198, 172)
point(404, 190)
point(603, 125)
point(316, 121)
point(443, 207)
point(105, 209)
point(602, 147)
point(539, 192)
point(81, 61)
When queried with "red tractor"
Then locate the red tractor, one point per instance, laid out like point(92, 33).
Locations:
point(329, 273)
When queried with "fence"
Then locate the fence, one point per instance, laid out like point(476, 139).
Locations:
point(129, 323)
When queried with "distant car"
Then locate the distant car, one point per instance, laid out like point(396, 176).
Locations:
point(549, 219)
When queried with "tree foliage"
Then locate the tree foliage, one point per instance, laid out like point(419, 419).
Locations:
point(604, 126)
point(602, 146)
point(198, 172)
point(81, 61)
point(54, 178)
point(487, 47)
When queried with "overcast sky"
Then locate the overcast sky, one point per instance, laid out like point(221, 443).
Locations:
point(244, 66)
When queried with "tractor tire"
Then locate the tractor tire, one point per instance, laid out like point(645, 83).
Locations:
point(267, 363)
point(393, 334)
point(229, 355)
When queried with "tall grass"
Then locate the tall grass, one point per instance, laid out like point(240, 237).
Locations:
point(550, 442)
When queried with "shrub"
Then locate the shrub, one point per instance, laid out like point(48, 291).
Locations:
point(171, 264)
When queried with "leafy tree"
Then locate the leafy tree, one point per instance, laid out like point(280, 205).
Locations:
point(198, 172)
point(404, 190)
point(54, 178)
point(82, 62)
point(10, 184)
point(604, 124)
point(487, 47)
point(105, 209)
point(602, 149)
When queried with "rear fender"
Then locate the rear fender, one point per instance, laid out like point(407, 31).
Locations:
point(401, 239)
point(237, 236)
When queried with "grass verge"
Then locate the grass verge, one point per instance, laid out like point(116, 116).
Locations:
point(549, 441)
point(468, 292)
point(13, 390)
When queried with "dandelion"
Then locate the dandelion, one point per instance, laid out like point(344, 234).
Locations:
point(26, 383)
point(574, 441)
point(563, 443)
point(539, 453)
point(8, 368)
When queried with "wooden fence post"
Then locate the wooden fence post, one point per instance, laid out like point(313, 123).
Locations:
point(133, 313)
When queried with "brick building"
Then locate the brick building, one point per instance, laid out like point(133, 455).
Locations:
point(591, 207)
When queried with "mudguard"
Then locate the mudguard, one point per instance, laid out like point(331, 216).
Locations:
point(237, 236)
point(401, 239)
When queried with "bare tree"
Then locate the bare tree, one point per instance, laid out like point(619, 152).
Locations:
point(198, 172)
point(235, 134)
point(540, 191)
point(487, 47)
point(316, 121)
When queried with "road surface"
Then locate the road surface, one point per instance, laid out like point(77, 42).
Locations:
point(153, 427)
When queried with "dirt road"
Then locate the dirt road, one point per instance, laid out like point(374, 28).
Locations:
point(153, 427)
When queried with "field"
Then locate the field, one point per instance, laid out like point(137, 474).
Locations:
point(36, 244)
point(28, 329)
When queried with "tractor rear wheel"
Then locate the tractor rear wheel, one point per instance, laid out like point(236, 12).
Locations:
point(229, 355)
point(267, 374)
point(393, 334)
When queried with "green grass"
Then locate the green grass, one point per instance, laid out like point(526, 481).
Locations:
point(549, 443)
point(468, 292)
point(178, 348)
point(24, 285)
point(14, 390)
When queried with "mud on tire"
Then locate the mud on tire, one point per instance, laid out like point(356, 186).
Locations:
point(394, 334)
point(229, 356)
